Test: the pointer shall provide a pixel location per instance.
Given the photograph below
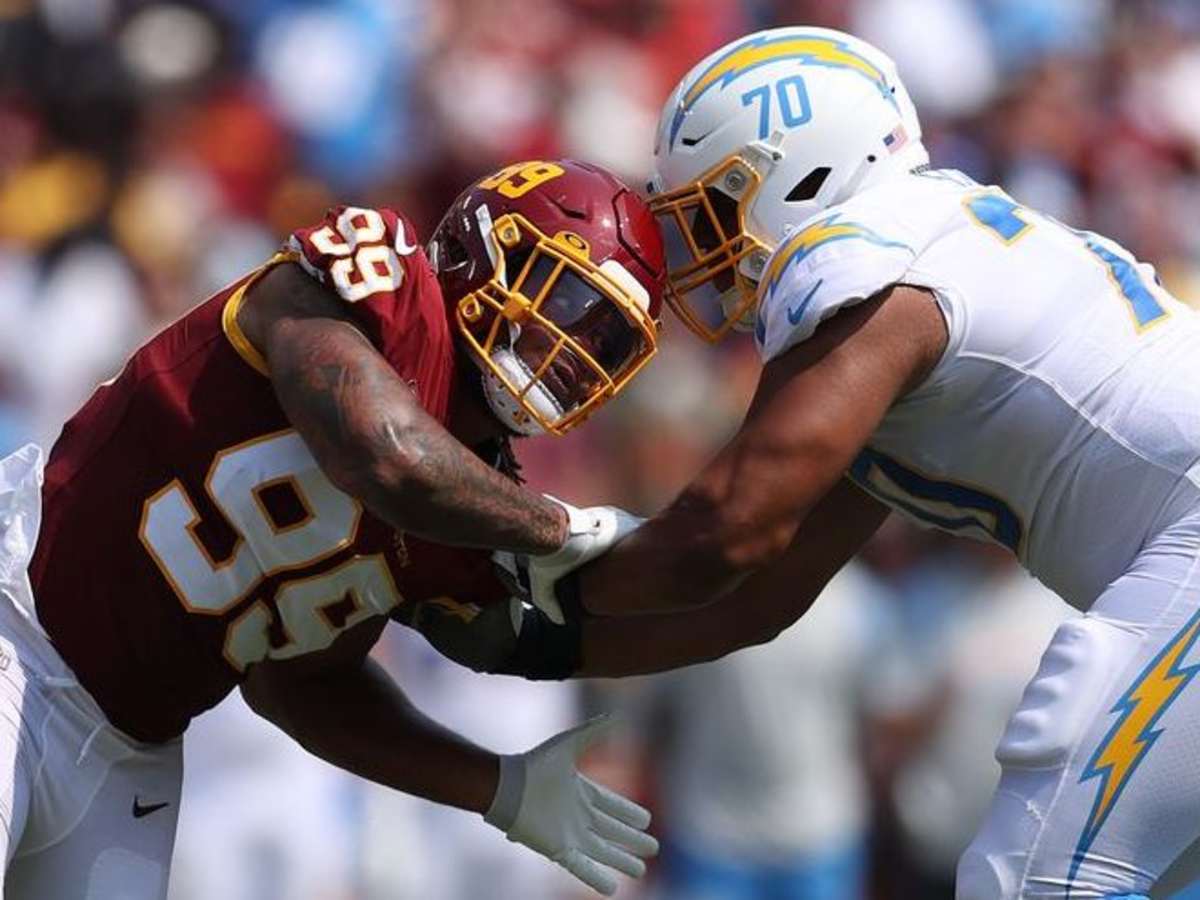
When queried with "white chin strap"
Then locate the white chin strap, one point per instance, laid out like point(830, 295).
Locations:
point(504, 404)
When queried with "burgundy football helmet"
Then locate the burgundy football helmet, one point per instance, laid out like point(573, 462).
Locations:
point(553, 273)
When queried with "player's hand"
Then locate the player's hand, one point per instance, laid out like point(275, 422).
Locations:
point(544, 803)
point(592, 531)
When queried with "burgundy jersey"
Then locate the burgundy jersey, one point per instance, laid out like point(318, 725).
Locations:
point(188, 531)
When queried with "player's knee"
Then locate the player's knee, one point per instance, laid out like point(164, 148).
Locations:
point(982, 876)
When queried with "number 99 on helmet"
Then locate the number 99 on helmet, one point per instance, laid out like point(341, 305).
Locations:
point(762, 134)
point(553, 273)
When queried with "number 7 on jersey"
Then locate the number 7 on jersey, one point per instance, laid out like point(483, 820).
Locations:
point(1009, 221)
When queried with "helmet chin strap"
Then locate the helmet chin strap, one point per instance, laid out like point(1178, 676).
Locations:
point(503, 402)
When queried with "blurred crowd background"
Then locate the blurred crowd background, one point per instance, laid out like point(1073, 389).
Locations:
point(151, 152)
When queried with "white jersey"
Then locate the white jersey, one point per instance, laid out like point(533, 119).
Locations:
point(1063, 420)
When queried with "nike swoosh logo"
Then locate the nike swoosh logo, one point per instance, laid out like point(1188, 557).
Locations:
point(139, 810)
point(692, 142)
point(796, 313)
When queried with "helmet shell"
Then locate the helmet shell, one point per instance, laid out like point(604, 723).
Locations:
point(584, 200)
point(791, 101)
point(553, 273)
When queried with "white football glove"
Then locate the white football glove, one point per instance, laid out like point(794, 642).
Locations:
point(544, 803)
point(592, 531)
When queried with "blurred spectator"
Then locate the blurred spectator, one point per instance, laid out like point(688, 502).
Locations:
point(943, 52)
point(757, 759)
point(968, 630)
point(260, 818)
point(415, 850)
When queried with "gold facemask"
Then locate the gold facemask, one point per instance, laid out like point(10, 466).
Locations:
point(581, 333)
point(704, 231)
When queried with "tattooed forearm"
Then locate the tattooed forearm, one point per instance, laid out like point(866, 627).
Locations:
point(458, 490)
point(371, 436)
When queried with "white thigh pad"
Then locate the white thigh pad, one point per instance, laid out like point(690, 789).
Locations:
point(1059, 704)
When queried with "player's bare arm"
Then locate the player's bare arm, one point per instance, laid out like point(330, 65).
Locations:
point(342, 706)
point(370, 434)
point(764, 605)
point(495, 640)
point(814, 409)
point(521, 640)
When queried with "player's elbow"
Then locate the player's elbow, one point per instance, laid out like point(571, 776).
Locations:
point(392, 472)
point(762, 630)
point(264, 695)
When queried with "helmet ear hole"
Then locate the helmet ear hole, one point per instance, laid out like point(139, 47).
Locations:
point(452, 253)
point(515, 260)
point(809, 186)
point(514, 264)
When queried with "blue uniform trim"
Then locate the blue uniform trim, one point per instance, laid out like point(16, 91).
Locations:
point(1004, 218)
point(998, 519)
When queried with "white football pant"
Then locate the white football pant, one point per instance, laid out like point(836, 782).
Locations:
point(86, 813)
point(1100, 791)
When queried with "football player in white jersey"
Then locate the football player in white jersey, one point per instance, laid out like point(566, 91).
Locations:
point(933, 347)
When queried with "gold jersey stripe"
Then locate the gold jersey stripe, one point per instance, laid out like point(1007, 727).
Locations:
point(229, 324)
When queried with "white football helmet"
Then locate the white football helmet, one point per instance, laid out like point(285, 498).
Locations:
point(759, 136)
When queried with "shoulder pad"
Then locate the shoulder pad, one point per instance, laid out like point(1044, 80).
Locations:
point(359, 252)
point(370, 260)
point(834, 261)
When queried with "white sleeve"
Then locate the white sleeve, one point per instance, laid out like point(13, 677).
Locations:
point(829, 264)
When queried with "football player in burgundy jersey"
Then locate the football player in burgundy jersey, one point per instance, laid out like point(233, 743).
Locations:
point(318, 448)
